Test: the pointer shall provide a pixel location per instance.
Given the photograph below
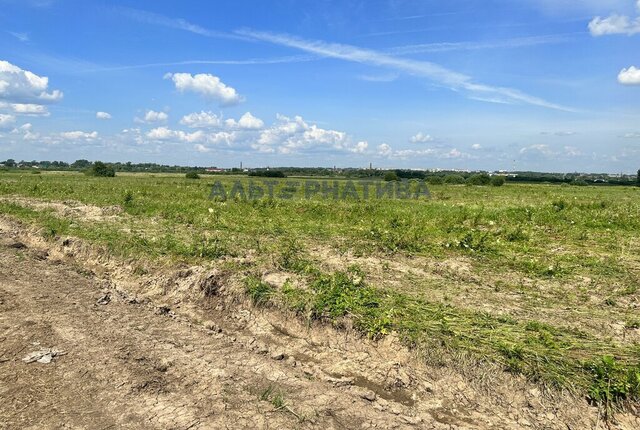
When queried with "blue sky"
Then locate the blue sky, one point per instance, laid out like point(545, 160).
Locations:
point(550, 85)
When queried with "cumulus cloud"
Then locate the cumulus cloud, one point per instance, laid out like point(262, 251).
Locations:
point(246, 121)
point(630, 76)
point(167, 134)
point(201, 120)
point(290, 135)
point(153, 116)
point(29, 109)
point(421, 138)
point(77, 135)
point(208, 86)
point(22, 86)
point(6, 120)
point(360, 147)
point(384, 150)
point(24, 109)
point(286, 135)
point(26, 131)
point(103, 115)
point(476, 146)
point(614, 24)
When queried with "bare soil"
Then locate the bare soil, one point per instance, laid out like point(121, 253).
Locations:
point(178, 350)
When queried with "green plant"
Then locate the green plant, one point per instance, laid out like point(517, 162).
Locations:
point(390, 176)
point(101, 169)
point(259, 292)
point(454, 179)
point(479, 179)
point(498, 181)
point(612, 383)
point(128, 197)
point(192, 175)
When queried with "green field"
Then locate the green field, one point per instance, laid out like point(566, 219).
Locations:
point(540, 279)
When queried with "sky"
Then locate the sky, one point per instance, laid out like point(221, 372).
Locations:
point(545, 85)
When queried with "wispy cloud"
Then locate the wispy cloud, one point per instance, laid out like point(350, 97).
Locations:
point(518, 42)
point(22, 37)
point(411, 17)
point(176, 23)
point(248, 62)
point(434, 72)
point(386, 77)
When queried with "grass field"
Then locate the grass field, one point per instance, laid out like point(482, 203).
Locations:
point(540, 279)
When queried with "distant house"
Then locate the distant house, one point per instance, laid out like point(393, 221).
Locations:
point(215, 170)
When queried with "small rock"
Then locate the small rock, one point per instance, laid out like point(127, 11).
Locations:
point(278, 355)
point(17, 245)
point(104, 300)
point(368, 395)
point(44, 355)
point(411, 420)
point(210, 325)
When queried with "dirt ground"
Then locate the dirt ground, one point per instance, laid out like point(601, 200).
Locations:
point(128, 361)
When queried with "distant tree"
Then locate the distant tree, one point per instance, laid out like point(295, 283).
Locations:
point(497, 181)
point(268, 173)
point(192, 175)
point(479, 179)
point(454, 179)
point(102, 170)
point(435, 180)
point(81, 164)
point(10, 162)
point(390, 176)
point(638, 178)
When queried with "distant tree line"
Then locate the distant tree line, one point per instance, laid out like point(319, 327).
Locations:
point(433, 177)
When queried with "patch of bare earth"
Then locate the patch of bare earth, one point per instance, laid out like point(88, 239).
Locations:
point(181, 348)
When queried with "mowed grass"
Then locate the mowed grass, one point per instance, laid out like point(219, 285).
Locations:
point(541, 279)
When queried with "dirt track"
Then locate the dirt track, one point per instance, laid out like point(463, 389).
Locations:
point(130, 363)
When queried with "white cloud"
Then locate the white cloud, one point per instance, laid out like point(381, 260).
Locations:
point(421, 138)
point(103, 115)
point(209, 86)
point(6, 120)
point(29, 109)
point(360, 147)
point(633, 135)
point(630, 76)
point(201, 120)
point(538, 148)
point(166, 134)
point(22, 37)
point(386, 77)
point(153, 116)
point(384, 150)
point(476, 146)
point(25, 131)
point(246, 121)
point(572, 151)
point(77, 135)
point(614, 24)
point(291, 135)
point(201, 148)
point(449, 78)
point(560, 133)
point(22, 86)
